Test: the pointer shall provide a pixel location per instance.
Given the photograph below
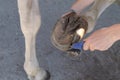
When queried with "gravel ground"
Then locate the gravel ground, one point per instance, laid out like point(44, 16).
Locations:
point(89, 66)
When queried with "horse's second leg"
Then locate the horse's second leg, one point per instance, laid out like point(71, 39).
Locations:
point(30, 24)
point(95, 11)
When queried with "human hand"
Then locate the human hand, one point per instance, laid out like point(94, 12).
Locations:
point(102, 39)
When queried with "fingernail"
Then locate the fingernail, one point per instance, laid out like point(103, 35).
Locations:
point(85, 47)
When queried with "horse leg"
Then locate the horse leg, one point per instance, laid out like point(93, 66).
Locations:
point(30, 21)
point(95, 11)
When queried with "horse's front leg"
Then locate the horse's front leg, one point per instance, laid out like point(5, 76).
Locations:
point(30, 24)
point(95, 11)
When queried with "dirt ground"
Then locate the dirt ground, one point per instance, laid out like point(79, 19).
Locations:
point(89, 66)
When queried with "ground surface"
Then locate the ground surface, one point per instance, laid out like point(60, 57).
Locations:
point(89, 66)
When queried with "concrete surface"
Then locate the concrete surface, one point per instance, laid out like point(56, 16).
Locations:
point(89, 66)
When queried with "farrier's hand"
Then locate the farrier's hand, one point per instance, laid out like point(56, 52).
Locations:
point(102, 39)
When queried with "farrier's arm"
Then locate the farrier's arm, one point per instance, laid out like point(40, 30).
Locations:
point(79, 5)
